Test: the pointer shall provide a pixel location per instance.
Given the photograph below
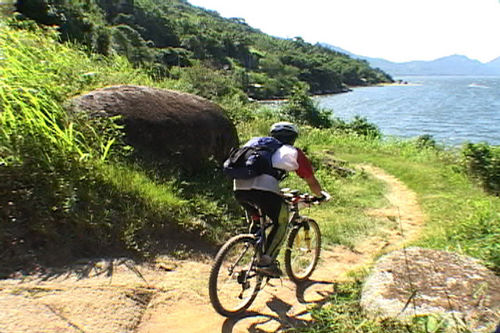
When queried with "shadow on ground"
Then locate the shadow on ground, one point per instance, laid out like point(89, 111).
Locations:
point(281, 319)
point(23, 261)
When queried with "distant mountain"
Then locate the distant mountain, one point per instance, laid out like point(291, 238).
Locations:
point(450, 65)
point(495, 63)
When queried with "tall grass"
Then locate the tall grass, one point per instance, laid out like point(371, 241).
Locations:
point(38, 74)
point(461, 216)
point(49, 159)
point(66, 183)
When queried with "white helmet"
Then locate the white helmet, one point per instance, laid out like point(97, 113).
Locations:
point(285, 132)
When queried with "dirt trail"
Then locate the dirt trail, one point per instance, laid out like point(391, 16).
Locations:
point(171, 296)
point(282, 304)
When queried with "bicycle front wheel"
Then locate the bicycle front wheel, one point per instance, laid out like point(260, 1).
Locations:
point(302, 251)
point(233, 283)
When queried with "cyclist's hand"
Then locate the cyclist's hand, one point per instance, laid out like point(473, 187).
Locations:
point(325, 196)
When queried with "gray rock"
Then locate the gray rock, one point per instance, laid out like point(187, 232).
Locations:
point(417, 281)
point(163, 124)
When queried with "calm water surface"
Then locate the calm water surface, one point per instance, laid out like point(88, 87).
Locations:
point(451, 109)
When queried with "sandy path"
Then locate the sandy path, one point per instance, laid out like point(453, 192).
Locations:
point(282, 304)
point(171, 296)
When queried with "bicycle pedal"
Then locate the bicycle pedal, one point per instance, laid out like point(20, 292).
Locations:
point(266, 282)
point(241, 277)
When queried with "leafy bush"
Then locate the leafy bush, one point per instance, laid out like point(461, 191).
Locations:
point(359, 126)
point(237, 108)
point(80, 21)
point(426, 141)
point(482, 162)
point(301, 109)
point(206, 82)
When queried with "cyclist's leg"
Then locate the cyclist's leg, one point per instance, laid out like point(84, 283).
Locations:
point(244, 198)
point(273, 206)
point(277, 235)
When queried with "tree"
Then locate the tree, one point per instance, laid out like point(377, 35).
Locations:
point(302, 109)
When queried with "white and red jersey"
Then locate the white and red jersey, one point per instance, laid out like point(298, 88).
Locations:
point(286, 158)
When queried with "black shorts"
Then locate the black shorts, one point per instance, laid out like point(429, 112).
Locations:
point(269, 202)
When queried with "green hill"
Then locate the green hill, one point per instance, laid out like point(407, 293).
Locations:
point(165, 35)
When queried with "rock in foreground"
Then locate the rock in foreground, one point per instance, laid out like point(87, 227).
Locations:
point(417, 281)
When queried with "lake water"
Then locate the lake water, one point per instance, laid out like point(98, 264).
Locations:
point(453, 109)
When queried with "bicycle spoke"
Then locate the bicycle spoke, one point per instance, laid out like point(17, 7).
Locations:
point(239, 258)
point(303, 249)
point(233, 284)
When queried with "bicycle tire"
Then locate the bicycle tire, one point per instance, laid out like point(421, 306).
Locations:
point(220, 290)
point(302, 255)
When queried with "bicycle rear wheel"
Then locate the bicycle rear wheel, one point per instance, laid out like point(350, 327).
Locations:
point(303, 250)
point(233, 283)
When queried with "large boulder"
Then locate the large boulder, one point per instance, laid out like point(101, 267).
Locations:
point(417, 281)
point(163, 124)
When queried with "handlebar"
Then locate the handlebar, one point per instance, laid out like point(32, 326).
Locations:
point(294, 196)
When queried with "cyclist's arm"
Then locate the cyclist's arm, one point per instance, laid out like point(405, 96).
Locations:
point(314, 185)
point(306, 172)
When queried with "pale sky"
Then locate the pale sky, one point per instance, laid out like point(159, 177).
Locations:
point(396, 30)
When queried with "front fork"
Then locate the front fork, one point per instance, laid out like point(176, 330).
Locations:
point(306, 236)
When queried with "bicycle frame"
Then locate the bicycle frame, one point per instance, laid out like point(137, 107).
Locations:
point(258, 224)
point(263, 222)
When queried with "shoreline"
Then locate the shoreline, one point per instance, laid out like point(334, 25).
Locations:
point(346, 90)
point(397, 84)
point(281, 100)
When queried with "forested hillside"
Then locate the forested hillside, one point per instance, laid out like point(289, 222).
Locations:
point(163, 36)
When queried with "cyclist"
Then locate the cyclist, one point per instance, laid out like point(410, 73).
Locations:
point(263, 192)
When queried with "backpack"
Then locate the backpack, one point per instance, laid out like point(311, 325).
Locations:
point(253, 159)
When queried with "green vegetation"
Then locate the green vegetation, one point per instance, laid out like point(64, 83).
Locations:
point(66, 179)
point(460, 216)
point(482, 162)
point(301, 109)
point(168, 37)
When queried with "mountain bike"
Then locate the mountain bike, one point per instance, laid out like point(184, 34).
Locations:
point(234, 282)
